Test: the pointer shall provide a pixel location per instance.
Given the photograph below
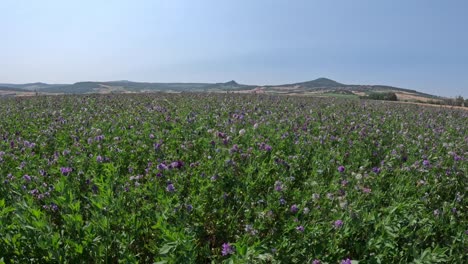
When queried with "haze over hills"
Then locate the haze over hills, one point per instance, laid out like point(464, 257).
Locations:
point(320, 86)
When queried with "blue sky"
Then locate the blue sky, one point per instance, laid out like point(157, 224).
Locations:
point(418, 44)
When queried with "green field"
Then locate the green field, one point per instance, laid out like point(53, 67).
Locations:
point(230, 178)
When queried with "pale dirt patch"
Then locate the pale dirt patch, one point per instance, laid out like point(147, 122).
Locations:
point(285, 88)
point(15, 93)
point(257, 90)
point(432, 105)
point(359, 93)
point(409, 96)
point(106, 89)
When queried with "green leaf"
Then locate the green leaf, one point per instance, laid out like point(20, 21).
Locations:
point(78, 248)
point(166, 248)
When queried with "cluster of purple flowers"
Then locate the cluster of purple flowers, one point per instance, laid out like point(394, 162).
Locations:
point(176, 164)
point(294, 208)
point(235, 148)
point(29, 144)
point(173, 165)
point(265, 147)
point(227, 249)
point(65, 170)
point(53, 207)
point(346, 261)
point(338, 223)
point(376, 170)
point(300, 228)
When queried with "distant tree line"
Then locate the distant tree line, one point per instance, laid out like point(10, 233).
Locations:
point(457, 101)
point(390, 96)
point(381, 96)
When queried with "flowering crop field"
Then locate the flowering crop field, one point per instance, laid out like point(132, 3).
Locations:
point(225, 178)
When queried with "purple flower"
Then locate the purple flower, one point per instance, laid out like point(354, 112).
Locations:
point(65, 170)
point(227, 249)
point(249, 229)
point(316, 261)
point(99, 159)
point(376, 170)
point(282, 201)
point(177, 164)
point(341, 168)
point(234, 148)
point(426, 163)
point(54, 207)
point(162, 166)
point(338, 223)
point(300, 228)
point(294, 208)
point(221, 134)
point(346, 261)
point(157, 146)
point(278, 186)
point(170, 187)
point(189, 208)
point(27, 178)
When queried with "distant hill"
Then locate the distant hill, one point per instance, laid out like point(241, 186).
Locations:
point(317, 87)
point(138, 87)
point(12, 89)
point(30, 86)
point(318, 83)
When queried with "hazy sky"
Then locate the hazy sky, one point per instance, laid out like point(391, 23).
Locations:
point(418, 44)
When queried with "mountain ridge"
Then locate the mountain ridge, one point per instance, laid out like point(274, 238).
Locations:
point(317, 86)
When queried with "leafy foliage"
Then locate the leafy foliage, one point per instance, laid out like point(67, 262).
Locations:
point(212, 178)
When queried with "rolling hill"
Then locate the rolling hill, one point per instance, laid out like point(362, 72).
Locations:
point(317, 87)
